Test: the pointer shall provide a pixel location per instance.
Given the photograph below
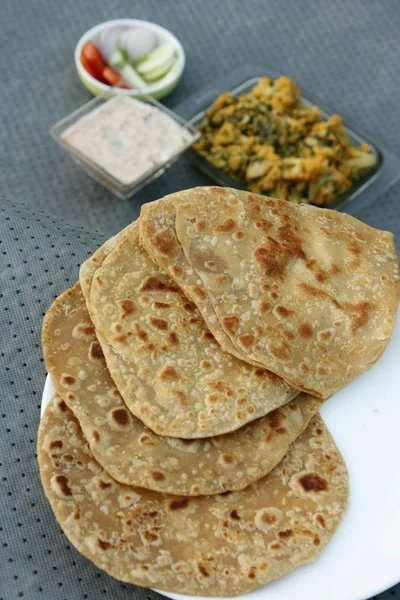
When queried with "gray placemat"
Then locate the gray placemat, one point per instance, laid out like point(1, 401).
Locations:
point(344, 52)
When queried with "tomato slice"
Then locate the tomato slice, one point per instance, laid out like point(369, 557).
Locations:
point(88, 66)
point(97, 67)
point(111, 76)
point(91, 57)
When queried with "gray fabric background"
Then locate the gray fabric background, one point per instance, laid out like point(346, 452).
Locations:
point(345, 52)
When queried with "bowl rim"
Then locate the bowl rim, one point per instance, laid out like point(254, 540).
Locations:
point(151, 89)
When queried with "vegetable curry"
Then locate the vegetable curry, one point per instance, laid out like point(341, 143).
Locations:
point(274, 144)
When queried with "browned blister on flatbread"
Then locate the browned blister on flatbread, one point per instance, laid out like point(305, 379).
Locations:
point(131, 452)
point(220, 545)
point(167, 365)
point(309, 293)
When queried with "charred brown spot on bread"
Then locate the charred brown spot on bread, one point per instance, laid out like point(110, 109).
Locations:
point(160, 324)
point(203, 570)
point(227, 459)
point(55, 444)
point(199, 292)
point(228, 225)
point(289, 335)
point(318, 293)
point(321, 276)
point(120, 339)
point(280, 349)
point(275, 545)
point(239, 235)
point(360, 314)
point(190, 307)
point(252, 573)
point(246, 340)
point(275, 420)
point(325, 336)
point(103, 544)
point(62, 406)
point(320, 519)
point(354, 247)
point(220, 386)
point(154, 284)
point(284, 312)
point(265, 306)
point(161, 305)
point(85, 330)
point(150, 536)
point(158, 476)
point(287, 533)
point(264, 224)
point(128, 307)
point(169, 373)
point(140, 332)
point(200, 226)
point(230, 324)
point(121, 416)
point(96, 436)
point(96, 351)
point(104, 485)
point(268, 518)
point(211, 265)
point(305, 330)
point(68, 457)
point(234, 515)
point(166, 244)
point(181, 397)
point(62, 482)
point(68, 380)
point(260, 372)
point(173, 338)
point(312, 482)
point(222, 278)
point(176, 271)
point(179, 503)
point(273, 256)
point(316, 540)
point(207, 335)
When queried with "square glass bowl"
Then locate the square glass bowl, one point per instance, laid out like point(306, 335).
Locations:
point(96, 171)
point(239, 81)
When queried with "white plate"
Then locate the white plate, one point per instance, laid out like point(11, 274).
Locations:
point(362, 560)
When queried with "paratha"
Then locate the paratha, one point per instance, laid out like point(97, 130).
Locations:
point(158, 236)
point(310, 293)
point(171, 372)
point(220, 545)
point(126, 448)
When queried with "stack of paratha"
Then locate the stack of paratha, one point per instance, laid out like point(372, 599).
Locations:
point(183, 449)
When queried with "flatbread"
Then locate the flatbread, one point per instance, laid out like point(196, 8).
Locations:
point(165, 362)
point(126, 448)
point(221, 545)
point(310, 293)
point(158, 237)
point(90, 266)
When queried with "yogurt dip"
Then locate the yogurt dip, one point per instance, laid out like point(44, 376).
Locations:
point(127, 138)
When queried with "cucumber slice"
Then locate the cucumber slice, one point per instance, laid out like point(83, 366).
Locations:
point(160, 56)
point(160, 71)
point(130, 75)
point(117, 60)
